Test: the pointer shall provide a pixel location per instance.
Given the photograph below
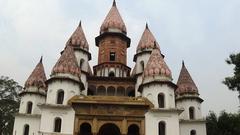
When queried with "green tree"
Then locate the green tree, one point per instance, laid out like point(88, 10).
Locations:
point(233, 83)
point(225, 124)
point(9, 104)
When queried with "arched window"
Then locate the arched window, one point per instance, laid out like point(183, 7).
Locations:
point(81, 64)
point(133, 130)
point(85, 129)
point(193, 132)
point(111, 74)
point(29, 107)
point(26, 129)
point(191, 113)
point(101, 90)
point(57, 124)
point(112, 56)
point(161, 128)
point(161, 100)
point(60, 97)
point(111, 91)
point(120, 91)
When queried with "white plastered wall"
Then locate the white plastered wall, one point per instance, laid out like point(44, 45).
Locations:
point(152, 120)
point(35, 99)
point(143, 57)
point(49, 114)
point(70, 89)
point(85, 83)
point(138, 83)
point(151, 92)
point(200, 127)
point(80, 55)
point(186, 104)
point(20, 121)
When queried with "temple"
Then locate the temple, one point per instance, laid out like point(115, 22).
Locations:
point(110, 98)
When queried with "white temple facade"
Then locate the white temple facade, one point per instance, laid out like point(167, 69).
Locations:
point(110, 98)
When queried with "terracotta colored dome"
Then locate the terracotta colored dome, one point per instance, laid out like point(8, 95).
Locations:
point(78, 38)
point(113, 20)
point(147, 40)
point(37, 77)
point(156, 66)
point(67, 63)
point(185, 83)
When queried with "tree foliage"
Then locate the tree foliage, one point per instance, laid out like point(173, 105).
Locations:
point(225, 124)
point(9, 104)
point(233, 83)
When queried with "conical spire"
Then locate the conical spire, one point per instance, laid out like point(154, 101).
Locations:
point(67, 63)
point(157, 68)
point(113, 20)
point(147, 40)
point(37, 77)
point(185, 82)
point(78, 38)
point(114, 3)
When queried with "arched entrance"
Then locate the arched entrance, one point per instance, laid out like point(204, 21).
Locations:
point(133, 130)
point(109, 129)
point(85, 129)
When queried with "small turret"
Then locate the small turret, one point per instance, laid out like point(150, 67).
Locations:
point(143, 52)
point(65, 81)
point(27, 121)
point(157, 83)
point(34, 91)
point(187, 96)
point(80, 46)
point(157, 87)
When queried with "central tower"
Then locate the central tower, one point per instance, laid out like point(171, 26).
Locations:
point(113, 43)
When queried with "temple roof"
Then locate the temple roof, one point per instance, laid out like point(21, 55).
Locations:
point(185, 82)
point(147, 40)
point(78, 38)
point(37, 77)
point(156, 67)
point(67, 63)
point(113, 20)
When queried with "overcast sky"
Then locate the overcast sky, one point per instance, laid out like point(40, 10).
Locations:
point(201, 32)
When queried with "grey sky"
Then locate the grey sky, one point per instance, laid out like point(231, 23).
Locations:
point(201, 32)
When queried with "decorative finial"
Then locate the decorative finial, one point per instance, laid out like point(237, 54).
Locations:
point(41, 59)
point(183, 63)
point(80, 23)
point(114, 3)
point(146, 25)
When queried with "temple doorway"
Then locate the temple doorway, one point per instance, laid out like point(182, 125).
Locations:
point(109, 129)
point(85, 129)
